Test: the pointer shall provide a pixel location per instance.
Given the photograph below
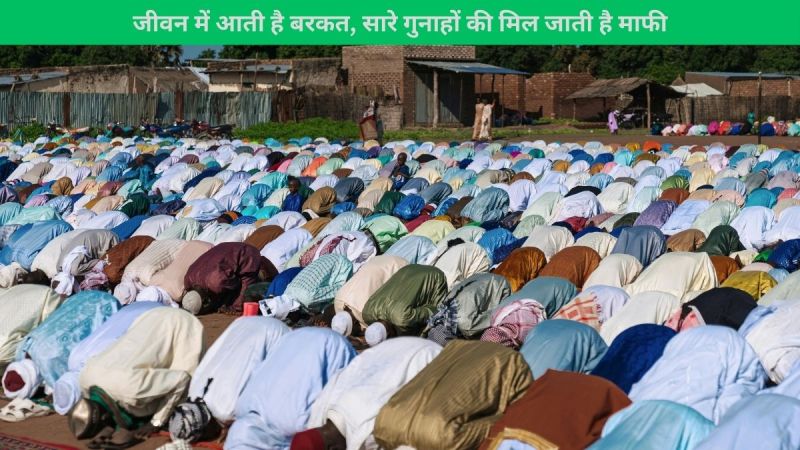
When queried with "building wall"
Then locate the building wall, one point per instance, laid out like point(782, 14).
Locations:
point(371, 66)
point(386, 67)
point(440, 52)
point(545, 96)
point(509, 88)
point(749, 88)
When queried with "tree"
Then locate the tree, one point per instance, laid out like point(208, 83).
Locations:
point(208, 53)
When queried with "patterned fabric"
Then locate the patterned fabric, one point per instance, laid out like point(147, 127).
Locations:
point(583, 308)
point(49, 344)
point(512, 322)
point(443, 323)
point(318, 283)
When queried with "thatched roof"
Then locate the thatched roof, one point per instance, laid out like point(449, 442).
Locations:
point(619, 86)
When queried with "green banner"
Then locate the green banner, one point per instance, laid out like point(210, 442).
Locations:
point(285, 22)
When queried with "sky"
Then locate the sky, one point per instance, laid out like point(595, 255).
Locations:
point(191, 51)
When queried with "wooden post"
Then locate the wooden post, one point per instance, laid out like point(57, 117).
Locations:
point(502, 91)
point(255, 75)
point(574, 109)
point(461, 99)
point(758, 109)
point(65, 109)
point(435, 98)
point(491, 92)
point(649, 108)
point(179, 105)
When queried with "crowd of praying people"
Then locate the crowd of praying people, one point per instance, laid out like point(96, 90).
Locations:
point(410, 295)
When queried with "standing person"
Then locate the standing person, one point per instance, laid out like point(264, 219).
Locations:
point(486, 121)
point(476, 126)
point(613, 128)
point(371, 126)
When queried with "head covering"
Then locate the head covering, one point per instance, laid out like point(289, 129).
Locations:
point(574, 264)
point(655, 424)
point(562, 345)
point(447, 416)
point(521, 266)
point(567, 410)
point(709, 368)
point(723, 240)
point(632, 353)
point(759, 421)
point(551, 292)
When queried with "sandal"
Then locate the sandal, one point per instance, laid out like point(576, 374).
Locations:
point(21, 408)
point(101, 438)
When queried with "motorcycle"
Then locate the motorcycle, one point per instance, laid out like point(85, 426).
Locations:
point(151, 129)
point(116, 129)
point(202, 130)
point(179, 129)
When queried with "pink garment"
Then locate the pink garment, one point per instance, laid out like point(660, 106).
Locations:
point(788, 193)
point(692, 320)
point(609, 167)
point(511, 324)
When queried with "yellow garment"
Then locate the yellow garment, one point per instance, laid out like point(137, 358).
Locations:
point(371, 276)
point(149, 379)
point(23, 307)
point(618, 270)
point(206, 188)
point(455, 400)
point(676, 273)
point(435, 230)
point(602, 243)
point(754, 283)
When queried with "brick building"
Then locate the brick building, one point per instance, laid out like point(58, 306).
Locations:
point(546, 93)
point(436, 85)
point(745, 84)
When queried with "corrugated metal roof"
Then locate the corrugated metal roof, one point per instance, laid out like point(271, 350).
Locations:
point(743, 75)
point(271, 68)
point(8, 80)
point(200, 73)
point(618, 86)
point(696, 90)
point(468, 67)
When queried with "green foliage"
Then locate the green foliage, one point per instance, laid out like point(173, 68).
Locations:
point(313, 128)
point(333, 130)
point(208, 53)
point(61, 55)
point(662, 63)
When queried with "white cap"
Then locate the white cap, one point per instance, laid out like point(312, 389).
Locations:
point(342, 323)
point(375, 334)
point(192, 302)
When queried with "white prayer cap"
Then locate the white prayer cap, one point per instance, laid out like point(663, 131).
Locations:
point(192, 302)
point(375, 334)
point(342, 323)
point(30, 376)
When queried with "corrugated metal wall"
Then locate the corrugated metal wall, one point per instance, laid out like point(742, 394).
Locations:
point(26, 107)
point(243, 109)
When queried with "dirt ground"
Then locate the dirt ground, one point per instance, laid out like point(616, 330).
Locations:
point(53, 428)
point(776, 141)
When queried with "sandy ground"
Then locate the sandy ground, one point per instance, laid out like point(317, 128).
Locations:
point(53, 428)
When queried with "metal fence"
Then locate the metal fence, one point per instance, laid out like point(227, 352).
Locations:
point(80, 110)
point(22, 108)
